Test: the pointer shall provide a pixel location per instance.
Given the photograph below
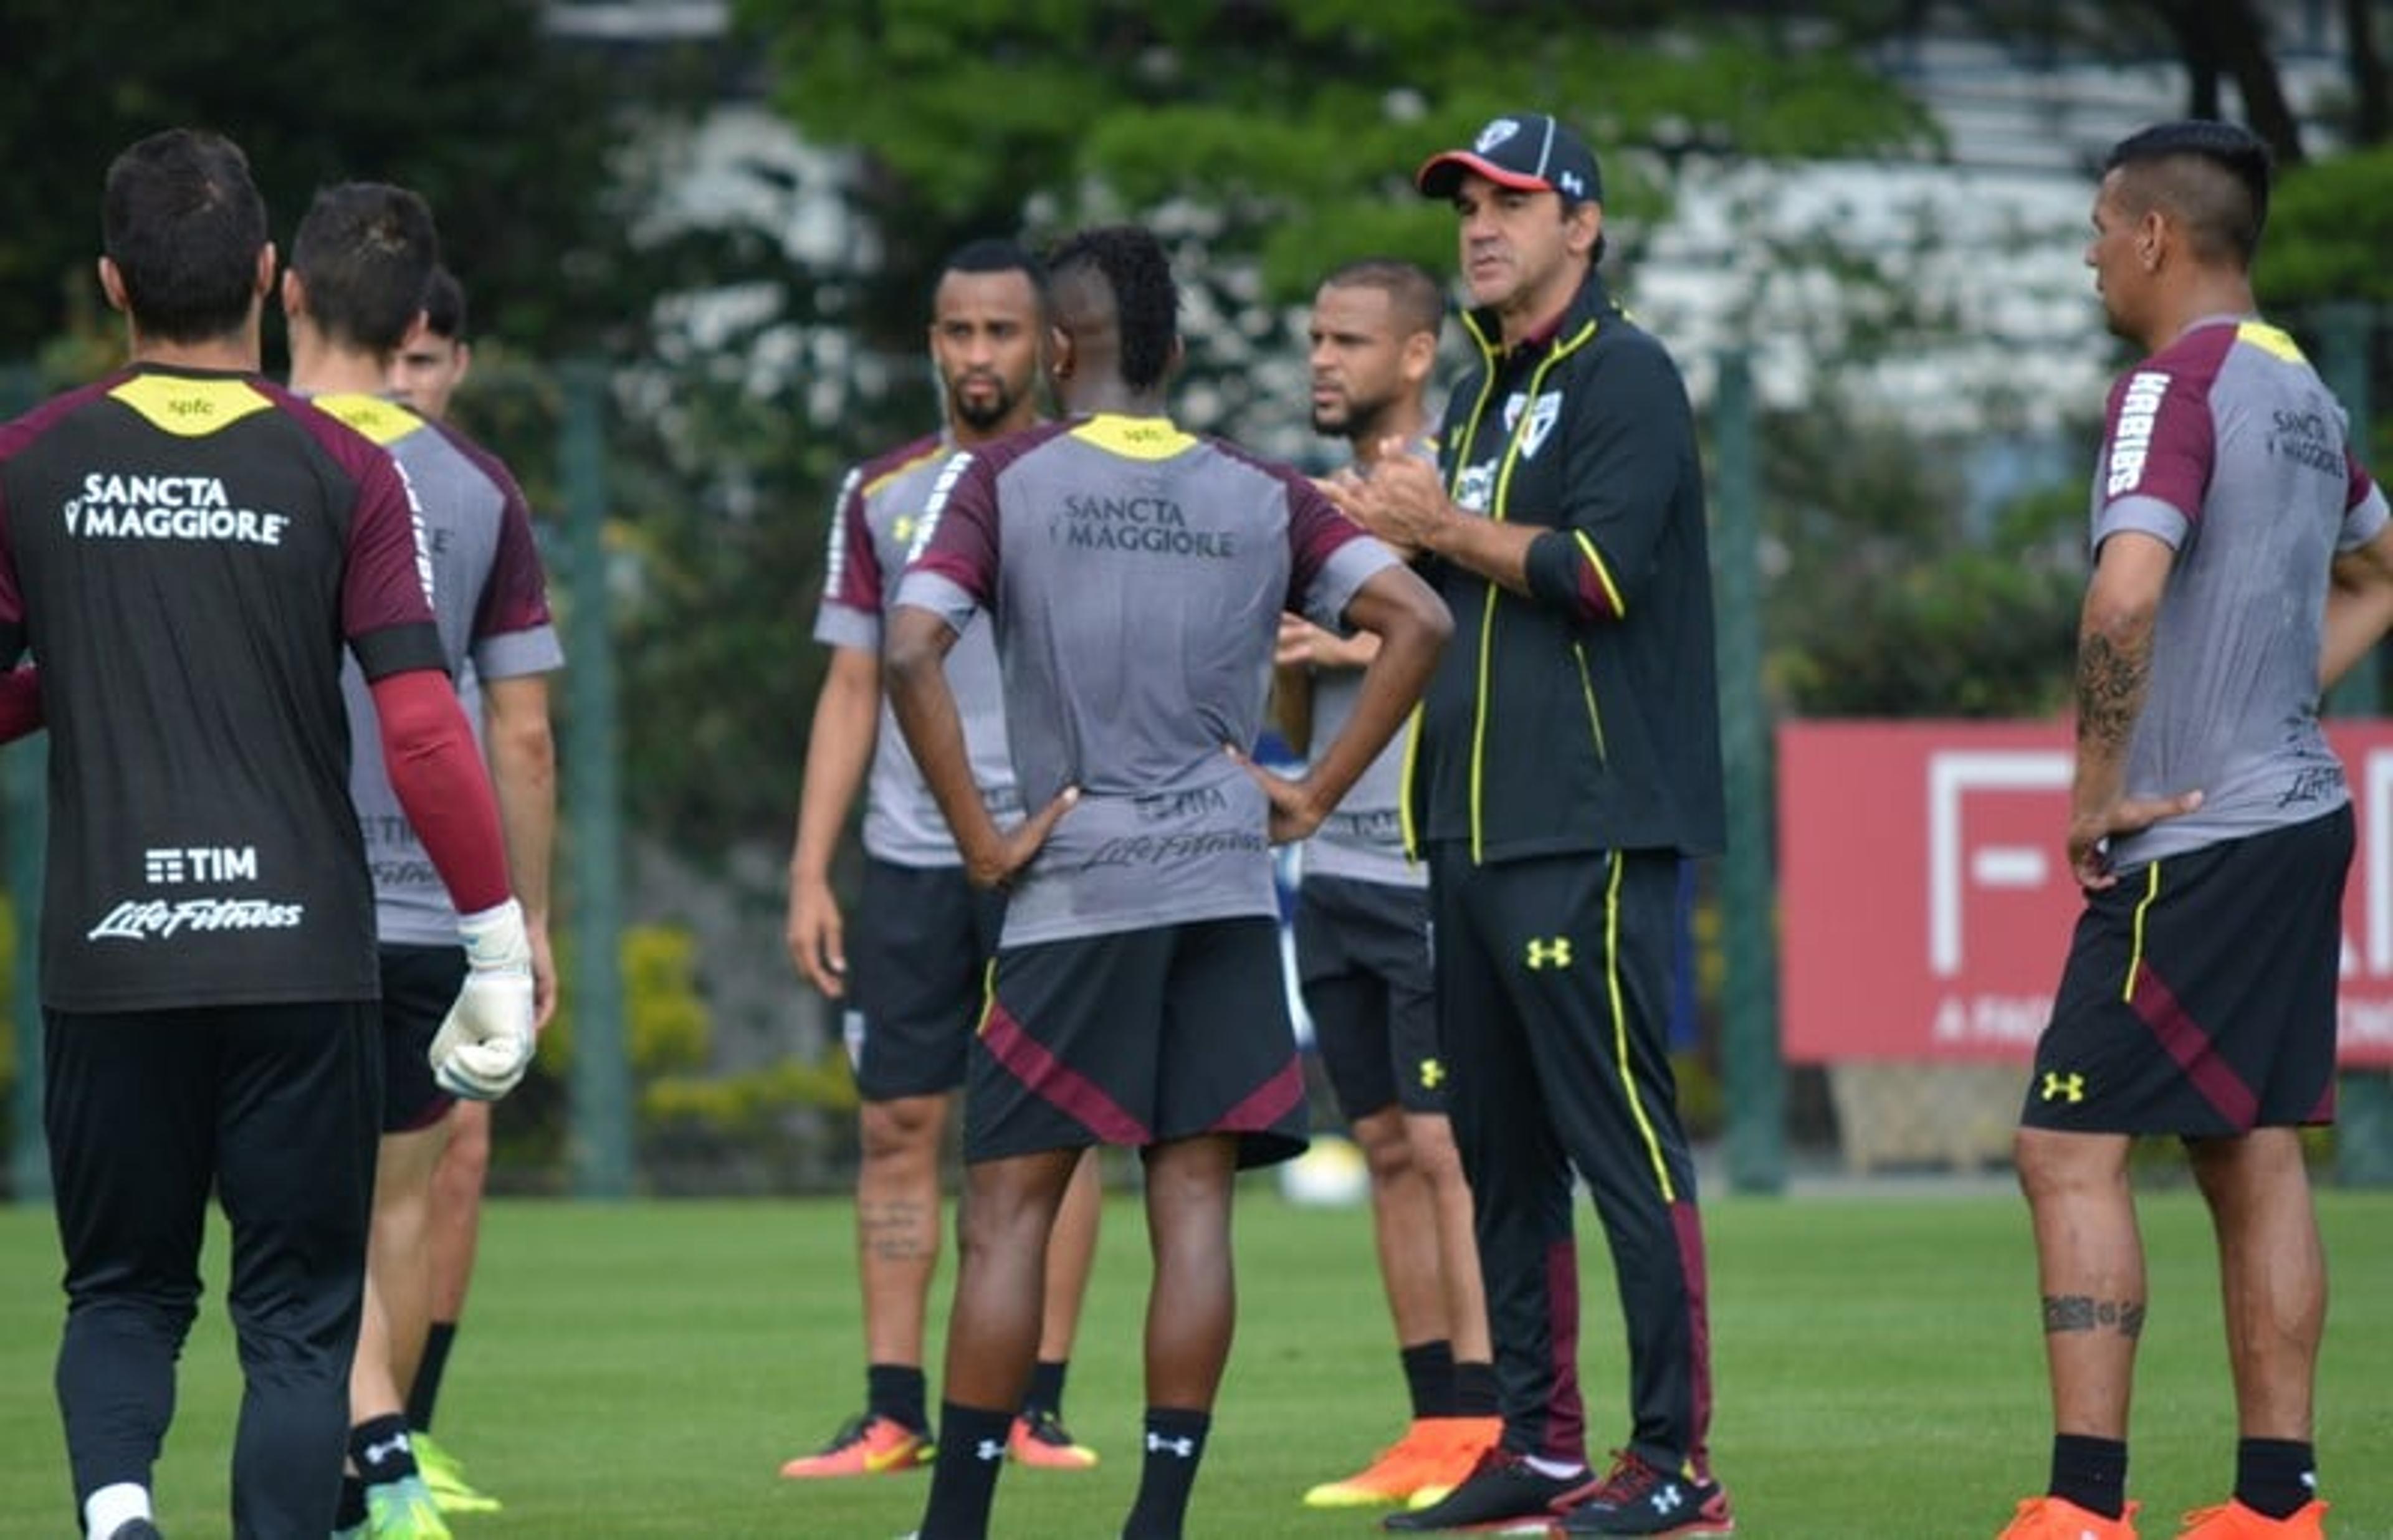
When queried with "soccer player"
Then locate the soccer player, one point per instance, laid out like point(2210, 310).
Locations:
point(1134, 575)
point(352, 296)
point(1362, 932)
point(2211, 829)
point(431, 364)
point(922, 934)
point(426, 375)
point(181, 544)
point(1567, 760)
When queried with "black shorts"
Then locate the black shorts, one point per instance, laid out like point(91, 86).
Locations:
point(1137, 1039)
point(2199, 998)
point(918, 970)
point(1362, 959)
point(419, 985)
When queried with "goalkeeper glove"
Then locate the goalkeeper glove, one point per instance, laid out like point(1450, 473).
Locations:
point(485, 1045)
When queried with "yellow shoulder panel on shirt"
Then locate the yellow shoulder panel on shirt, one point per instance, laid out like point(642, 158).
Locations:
point(2270, 339)
point(384, 422)
point(894, 472)
point(1134, 438)
point(190, 408)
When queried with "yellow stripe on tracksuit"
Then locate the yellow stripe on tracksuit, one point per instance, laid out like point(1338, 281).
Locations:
point(1496, 511)
point(1620, 1031)
point(2136, 953)
point(1602, 574)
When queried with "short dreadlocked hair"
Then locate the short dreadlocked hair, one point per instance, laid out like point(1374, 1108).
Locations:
point(1147, 301)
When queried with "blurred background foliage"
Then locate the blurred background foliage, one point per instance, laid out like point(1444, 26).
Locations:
point(754, 353)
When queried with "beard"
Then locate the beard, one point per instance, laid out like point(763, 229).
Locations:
point(982, 413)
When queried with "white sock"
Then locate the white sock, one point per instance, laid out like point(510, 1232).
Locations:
point(1558, 1470)
point(113, 1506)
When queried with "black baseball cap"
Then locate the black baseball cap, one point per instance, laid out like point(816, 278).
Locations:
point(1529, 152)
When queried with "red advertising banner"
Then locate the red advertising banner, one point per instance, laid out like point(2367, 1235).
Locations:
point(1926, 901)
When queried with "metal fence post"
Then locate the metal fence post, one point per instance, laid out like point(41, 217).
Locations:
point(2364, 1098)
point(600, 1138)
point(1755, 1073)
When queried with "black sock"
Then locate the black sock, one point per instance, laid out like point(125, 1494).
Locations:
point(380, 1450)
point(2275, 1477)
point(426, 1392)
point(1175, 1443)
point(351, 1512)
point(1046, 1394)
point(897, 1391)
point(2091, 1472)
point(964, 1478)
point(1429, 1376)
point(1474, 1390)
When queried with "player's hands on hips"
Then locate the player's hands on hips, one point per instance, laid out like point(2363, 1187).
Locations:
point(815, 936)
point(2090, 834)
point(1293, 814)
point(995, 866)
point(484, 1047)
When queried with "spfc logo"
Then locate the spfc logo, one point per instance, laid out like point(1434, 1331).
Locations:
point(1495, 134)
point(1542, 415)
point(1476, 484)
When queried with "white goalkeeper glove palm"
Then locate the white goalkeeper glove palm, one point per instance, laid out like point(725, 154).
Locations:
point(484, 1047)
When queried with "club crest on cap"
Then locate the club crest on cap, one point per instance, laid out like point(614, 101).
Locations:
point(1572, 186)
point(1495, 134)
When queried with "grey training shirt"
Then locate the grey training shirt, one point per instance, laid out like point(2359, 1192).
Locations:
point(2227, 446)
point(1135, 575)
point(880, 505)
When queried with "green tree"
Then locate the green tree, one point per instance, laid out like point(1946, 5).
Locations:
point(1269, 127)
point(507, 134)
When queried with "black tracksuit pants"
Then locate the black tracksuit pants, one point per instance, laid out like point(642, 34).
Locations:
point(278, 1109)
point(1553, 978)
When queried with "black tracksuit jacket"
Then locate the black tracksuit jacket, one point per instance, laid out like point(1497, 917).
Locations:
point(1585, 717)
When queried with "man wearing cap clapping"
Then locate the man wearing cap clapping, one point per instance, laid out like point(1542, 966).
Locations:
point(1567, 760)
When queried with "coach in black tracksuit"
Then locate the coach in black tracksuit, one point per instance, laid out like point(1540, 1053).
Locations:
point(1568, 758)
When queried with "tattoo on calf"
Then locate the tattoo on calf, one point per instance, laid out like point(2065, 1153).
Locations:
point(899, 1231)
point(2074, 1312)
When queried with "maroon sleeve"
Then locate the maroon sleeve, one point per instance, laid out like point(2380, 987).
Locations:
point(516, 597)
point(2359, 483)
point(20, 703)
point(958, 536)
point(853, 580)
point(386, 580)
point(386, 583)
point(1316, 532)
point(14, 438)
point(12, 596)
point(2159, 439)
point(435, 768)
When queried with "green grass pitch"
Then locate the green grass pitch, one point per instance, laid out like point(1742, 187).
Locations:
point(642, 1369)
